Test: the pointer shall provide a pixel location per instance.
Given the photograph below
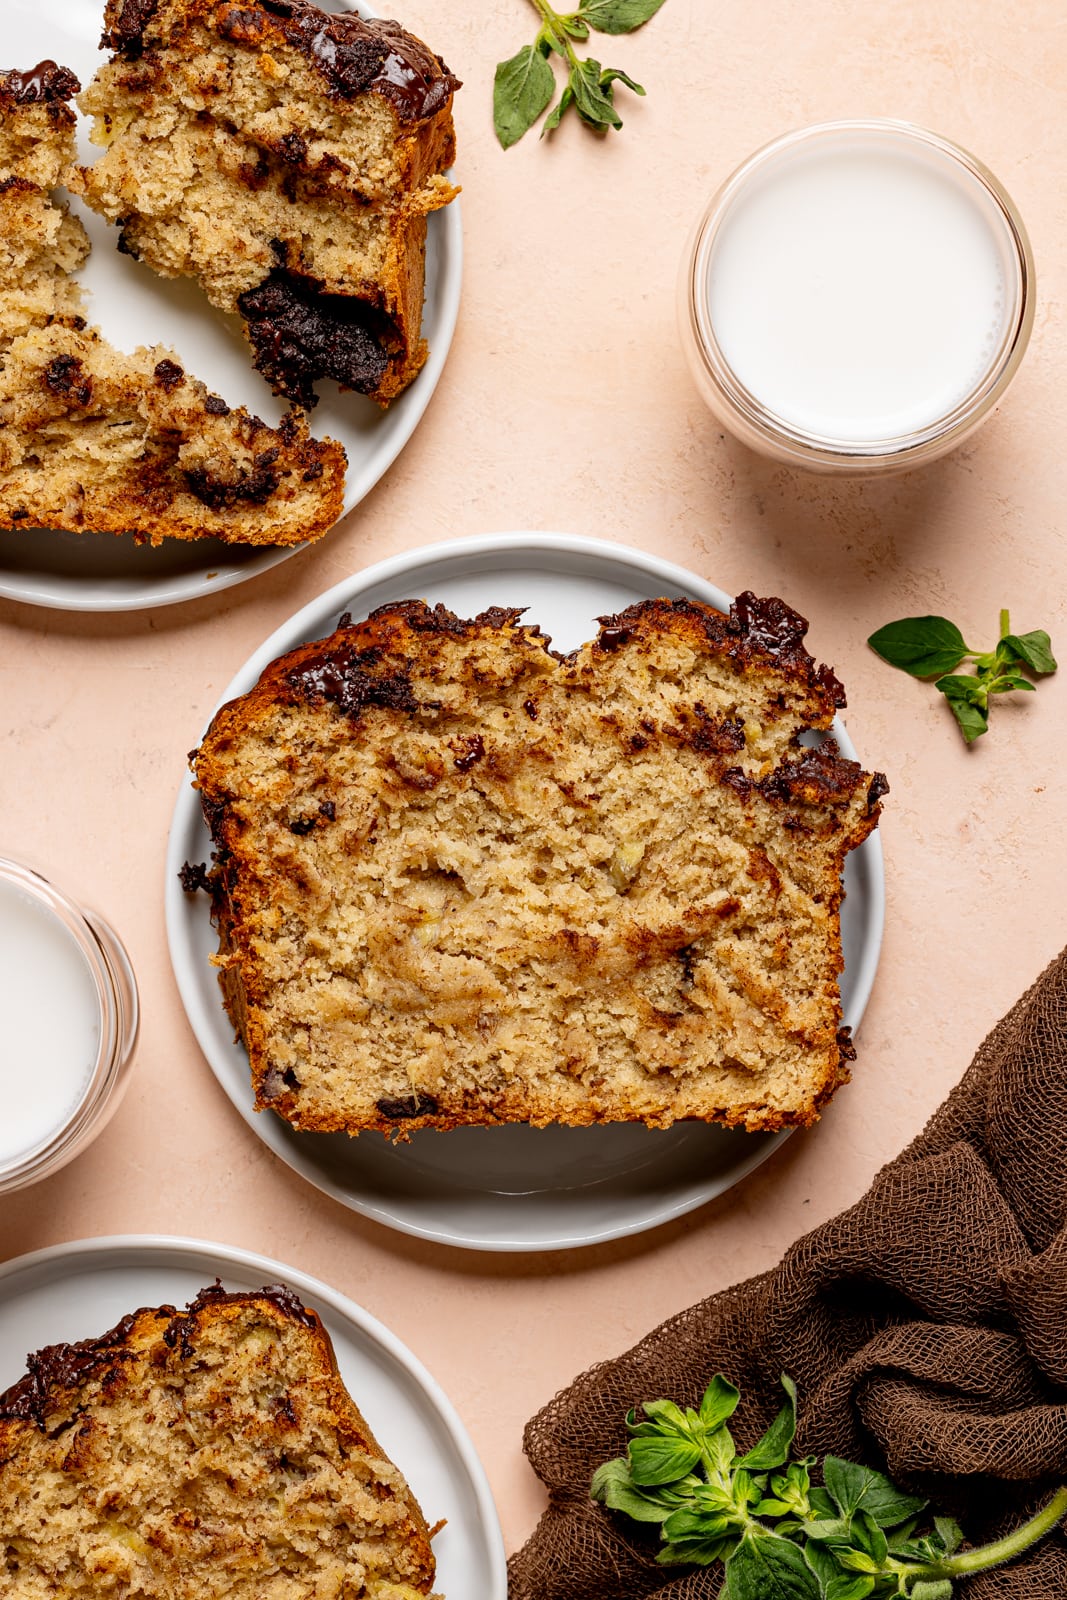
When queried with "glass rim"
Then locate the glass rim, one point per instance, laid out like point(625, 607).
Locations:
point(116, 994)
point(942, 431)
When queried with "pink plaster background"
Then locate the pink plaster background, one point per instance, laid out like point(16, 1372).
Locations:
point(566, 405)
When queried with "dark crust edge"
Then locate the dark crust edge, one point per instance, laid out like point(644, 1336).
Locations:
point(47, 83)
point(64, 1366)
point(756, 631)
point(352, 54)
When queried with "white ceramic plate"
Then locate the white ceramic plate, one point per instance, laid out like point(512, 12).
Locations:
point(513, 1188)
point(99, 572)
point(78, 1291)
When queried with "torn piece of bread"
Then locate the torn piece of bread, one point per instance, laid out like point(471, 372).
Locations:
point(462, 880)
point(93, 439)
point(210, 1454)
point(286, 158)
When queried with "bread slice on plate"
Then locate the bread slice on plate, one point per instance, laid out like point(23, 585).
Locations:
point(209, 1454)
point(94, 439)
point(460, 879)
point(286, 158)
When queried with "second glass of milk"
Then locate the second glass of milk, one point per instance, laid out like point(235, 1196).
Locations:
point(68, 1025)
point(858, 296)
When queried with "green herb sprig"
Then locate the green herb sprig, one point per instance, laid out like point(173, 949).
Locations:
point(780, 1536)
point(933, 647)
point(525, 83)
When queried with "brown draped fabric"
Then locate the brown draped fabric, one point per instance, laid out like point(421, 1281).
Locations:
point(926, 1329)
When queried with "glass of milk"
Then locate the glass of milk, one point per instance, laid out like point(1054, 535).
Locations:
point(857, 297)
point(68, 1026)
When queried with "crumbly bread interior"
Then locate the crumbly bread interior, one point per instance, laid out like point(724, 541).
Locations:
point(460, 880)
point(286, 159)
point(208, 1455)
point(91, 438)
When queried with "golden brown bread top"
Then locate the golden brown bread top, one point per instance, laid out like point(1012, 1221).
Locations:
point(462, 879)
point(202, 1453)
point(353, 55)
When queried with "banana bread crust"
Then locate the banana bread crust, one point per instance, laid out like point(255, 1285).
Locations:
point(208, 1451)
point(461, 880)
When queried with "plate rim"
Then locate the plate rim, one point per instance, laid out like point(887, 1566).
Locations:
point(170, 1249)
point(450, 554)
point(199, 584)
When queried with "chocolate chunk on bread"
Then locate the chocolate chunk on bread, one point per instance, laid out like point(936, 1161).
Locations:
point(92, 438)
point(286, 158)
point(462, 880)
point(204, 1453)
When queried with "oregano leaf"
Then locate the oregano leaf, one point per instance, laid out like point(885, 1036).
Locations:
point(522, 88)
point(615, 1488)
point(618, 16)
point(767, 1568)
point(923, 646)
point(773, 1449)
point(1035, 649)
point(565, 101)
point(612, 75)
point(594, 104)
point(960, 692)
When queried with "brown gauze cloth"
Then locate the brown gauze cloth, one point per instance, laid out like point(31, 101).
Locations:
point(926, 1329)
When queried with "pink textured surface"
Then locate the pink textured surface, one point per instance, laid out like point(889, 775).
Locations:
point(566, 405)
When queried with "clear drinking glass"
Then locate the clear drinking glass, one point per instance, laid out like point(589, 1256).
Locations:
point(115, 989)
point(748, 415)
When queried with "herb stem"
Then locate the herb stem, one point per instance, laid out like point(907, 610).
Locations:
point(1005, 624)
point(1001, 1550)
point(555, 31)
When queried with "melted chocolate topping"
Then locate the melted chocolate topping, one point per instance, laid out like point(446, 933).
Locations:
point(46, 81)
point(67, 1366)
point(341, 676)
point(62, 1366)
point(355, 55)
point(770, 624)
point(126, 34)
point(300, 335)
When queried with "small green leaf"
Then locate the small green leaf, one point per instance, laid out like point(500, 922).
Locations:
point(821, 1503)
point(1035, 649)
point(950, 1534)
point(827, 1528)
point(689, 1525)
point(613, 1486)
point(768, 1568)
point(693, 1554)
point(849, 1586)
point(522, 88)
point(612, 75)
point(820, 1558)
point(923, 646)
point(868, 1536)
point(961, 694)
point(856, 1561)
point(862, 1488)
point(667, 1415)
point(656, 1461)
point(552, 121)
point(773, 1449)
point(618, 16)
point(1007, 682)
point(595, 105)
point(576, 25)
point(719, 1402)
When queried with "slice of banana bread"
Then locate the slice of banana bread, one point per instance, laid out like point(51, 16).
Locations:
point(210, 1454)
point(91, 438)
point(462, 880)
point(286, 158)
